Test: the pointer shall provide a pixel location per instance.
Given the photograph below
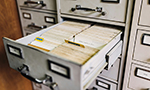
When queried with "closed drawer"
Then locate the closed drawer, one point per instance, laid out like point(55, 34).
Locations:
point(43, 4)
point(113, 72)
point(142, 46)
point(145, 13)
point(113, 11)
point(139, 78)
point(101, 84)
point(33, 21)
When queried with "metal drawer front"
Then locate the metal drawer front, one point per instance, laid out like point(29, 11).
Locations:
point(142, 46)
point(33, 21)
point(89, 9)
point(139, 78)
point(38, 4)
point(145, 13)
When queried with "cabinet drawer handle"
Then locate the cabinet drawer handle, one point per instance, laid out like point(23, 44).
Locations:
point(24, 70)
point(33, 2)
point(32, 25)
point(98, 9)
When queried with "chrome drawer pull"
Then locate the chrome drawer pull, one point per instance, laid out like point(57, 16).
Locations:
point(33, 2)
point(32, 25)
point(24, 70)
point(98, 9)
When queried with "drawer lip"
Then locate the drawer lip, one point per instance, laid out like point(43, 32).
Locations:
point(40, 11)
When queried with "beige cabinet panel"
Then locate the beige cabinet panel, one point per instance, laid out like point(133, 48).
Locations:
point(142, 48)
point(38, 4)
point(113, 11)
point(139, 78)
point(145, 13)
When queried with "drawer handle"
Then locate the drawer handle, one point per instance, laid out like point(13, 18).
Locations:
point(32, 25)
point(33, 2)
point(24, 70)
point(98, 9)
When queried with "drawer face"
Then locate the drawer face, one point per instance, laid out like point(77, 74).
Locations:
point(142, 46)
point(139, 77)
point(45, 4)
point(113, 72)
point(145, 13)
point(101, 84)
point(33, 21)
point(114, 11)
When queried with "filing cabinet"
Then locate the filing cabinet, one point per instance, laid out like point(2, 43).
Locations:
point(68, 73)
point(137, 69)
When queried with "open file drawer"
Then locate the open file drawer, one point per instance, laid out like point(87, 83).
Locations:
point(61, 72)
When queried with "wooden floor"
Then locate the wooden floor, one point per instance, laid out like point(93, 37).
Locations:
point(10, 27)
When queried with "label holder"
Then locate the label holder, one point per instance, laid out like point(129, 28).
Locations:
point(23, 14)
point(15, 48)
point(108, 85)
point(136, 73)
point(111, 1)
point(142, 41)
point(52, 18)
point(62, 66)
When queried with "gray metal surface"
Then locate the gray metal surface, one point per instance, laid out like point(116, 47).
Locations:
point(50, 4)
point(113, 11)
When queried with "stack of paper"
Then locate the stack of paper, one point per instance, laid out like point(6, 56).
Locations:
point(96, 36)
point(58, 34)
point(93, 39)
point(74, 53)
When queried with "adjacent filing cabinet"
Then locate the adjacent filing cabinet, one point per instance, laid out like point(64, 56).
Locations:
point(36, 15)
point(137, 71)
